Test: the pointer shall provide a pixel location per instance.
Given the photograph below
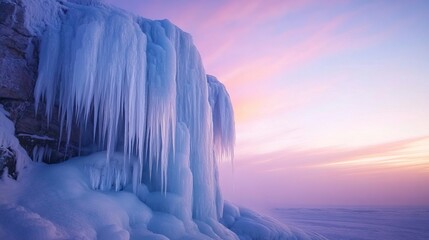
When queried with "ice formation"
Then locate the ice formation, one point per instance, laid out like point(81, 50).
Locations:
point(134, 83)
point(223, 120)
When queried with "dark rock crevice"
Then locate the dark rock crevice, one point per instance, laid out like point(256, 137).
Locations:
point(8, 161)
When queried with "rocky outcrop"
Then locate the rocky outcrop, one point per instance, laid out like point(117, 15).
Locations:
point(18, 54)
point(18, 73)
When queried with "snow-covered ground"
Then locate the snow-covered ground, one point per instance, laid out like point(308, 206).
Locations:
point(360, 223)
point(59, 202)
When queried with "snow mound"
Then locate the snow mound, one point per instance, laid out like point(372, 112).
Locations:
point(58, 202)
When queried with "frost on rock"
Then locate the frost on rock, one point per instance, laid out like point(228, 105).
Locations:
point(138, 86)
point(13, 157)
point(42, 13)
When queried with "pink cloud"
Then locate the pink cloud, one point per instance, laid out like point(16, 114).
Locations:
point(342, 158)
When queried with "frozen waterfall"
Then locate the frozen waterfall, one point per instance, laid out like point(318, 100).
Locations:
point(138, 86)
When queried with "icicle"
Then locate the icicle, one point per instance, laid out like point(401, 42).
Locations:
point(41, 153)
point(194, 111)
point(223, 120)
point(95, 64)
point(223, 131)
point(161, 94)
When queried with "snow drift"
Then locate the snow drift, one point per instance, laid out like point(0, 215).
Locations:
point(136, 91)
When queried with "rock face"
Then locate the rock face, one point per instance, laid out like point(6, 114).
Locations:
point(18, 54)
point(18, 71)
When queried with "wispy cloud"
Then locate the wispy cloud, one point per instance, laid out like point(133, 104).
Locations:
point(406, 153)
point(388, 173)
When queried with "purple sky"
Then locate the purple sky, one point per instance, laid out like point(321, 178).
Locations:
point(331, 97)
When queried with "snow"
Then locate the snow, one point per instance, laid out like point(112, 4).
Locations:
point(250, 225)
point(58, 202)
point(9, 144)
point(138, 88)
point(42, 13)
point(35, 136)
point(363, 222)
point(61, 195)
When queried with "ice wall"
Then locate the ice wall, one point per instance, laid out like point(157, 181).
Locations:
point(138, 86)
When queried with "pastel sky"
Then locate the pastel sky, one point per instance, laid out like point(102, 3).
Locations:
point(331, 98)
